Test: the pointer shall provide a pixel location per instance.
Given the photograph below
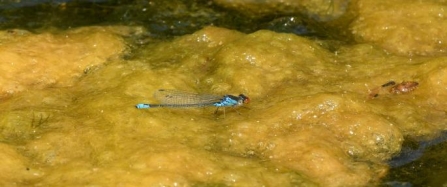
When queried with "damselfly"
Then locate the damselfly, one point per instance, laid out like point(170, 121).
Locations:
point(181, 99)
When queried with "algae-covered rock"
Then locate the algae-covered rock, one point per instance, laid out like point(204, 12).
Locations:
point(31, 61)
point(14, 167)
point(402, 27)
point(316, 117)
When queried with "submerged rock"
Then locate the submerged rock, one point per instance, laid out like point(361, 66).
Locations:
point(318, 9)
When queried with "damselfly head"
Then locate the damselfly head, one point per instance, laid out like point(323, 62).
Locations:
point(243, 99)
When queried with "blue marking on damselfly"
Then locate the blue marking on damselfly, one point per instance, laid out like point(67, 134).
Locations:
point(181, 99)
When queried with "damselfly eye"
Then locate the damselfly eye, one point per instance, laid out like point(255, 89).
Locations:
point(244, 98)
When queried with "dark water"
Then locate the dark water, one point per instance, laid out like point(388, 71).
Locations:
point(422, 163)
point(162, 18)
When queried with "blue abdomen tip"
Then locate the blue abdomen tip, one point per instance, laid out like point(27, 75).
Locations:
point(139, 106)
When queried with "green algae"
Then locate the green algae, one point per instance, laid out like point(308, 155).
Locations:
point(308, 104)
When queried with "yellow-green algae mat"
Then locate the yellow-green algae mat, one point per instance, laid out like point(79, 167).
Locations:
point(68, 115)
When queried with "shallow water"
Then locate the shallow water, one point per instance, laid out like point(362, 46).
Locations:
point(319, 115)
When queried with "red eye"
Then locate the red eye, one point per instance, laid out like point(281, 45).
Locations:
point(243, 98)
point(246, 100)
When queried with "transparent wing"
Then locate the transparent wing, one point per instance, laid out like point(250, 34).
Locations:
point(176, 97)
